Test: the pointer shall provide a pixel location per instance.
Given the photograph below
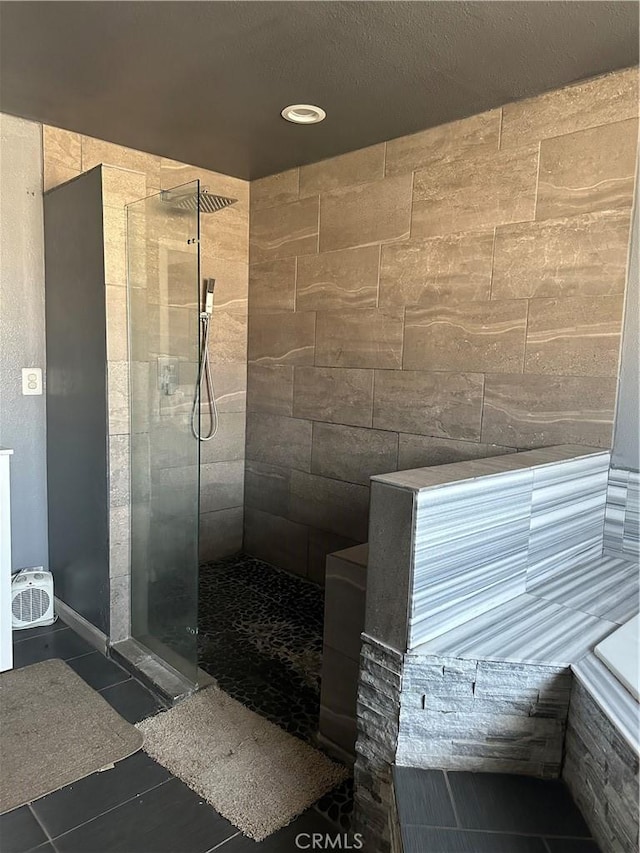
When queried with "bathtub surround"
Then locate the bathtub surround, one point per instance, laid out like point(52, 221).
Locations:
point(483, 646)
point(449, 295)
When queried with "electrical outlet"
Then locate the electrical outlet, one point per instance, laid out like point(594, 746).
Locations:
point(31, 381)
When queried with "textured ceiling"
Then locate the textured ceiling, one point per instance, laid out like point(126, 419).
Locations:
point(204, 82)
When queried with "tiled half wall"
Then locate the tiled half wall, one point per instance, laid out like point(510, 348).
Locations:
point(445, 296)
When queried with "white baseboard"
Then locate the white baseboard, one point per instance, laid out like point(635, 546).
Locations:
point(82, 626)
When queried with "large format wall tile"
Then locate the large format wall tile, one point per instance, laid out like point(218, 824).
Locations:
point(64, 146)
point(478, 189)
point(479, 336)
point(336, 395)
point(439, 404)
point(272, 286)
point(232, 284)
point(279, 441)
point(270, 388)
point(602, 100)
point(408, 153)
point(344, 279)
point(356, 167)
point(221, 485)
point(284, 231)
point(351, 453)
point(420, 451)
point(589, 170)
point(341, 508)
point(276, 540)
point(289, 338)
point(574, 337)
point(228, 338)
point(229, 442)
point(96, 151)
point(537, 411)
point(365, 214)
point(456, 268)
point(220, 533)
point(267, 487)
point(274, 189)
point(225, 233)
point(584, 255)
point(359, 338)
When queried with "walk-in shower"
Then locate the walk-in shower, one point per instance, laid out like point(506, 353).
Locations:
point(172, 409)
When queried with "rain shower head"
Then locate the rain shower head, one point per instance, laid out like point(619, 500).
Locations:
point(209, 203)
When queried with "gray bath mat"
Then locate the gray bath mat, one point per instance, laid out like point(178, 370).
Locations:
point(253, 773)
point(54, 730)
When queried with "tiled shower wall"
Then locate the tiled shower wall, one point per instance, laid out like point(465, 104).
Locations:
point(448, 295)
point(224, 256)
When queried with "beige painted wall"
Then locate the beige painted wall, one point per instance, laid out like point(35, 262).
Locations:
point(131, 175)
point(443, 296)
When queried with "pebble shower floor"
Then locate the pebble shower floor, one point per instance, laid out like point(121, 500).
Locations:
point(260, 637)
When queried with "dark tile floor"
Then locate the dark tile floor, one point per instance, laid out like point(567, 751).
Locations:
point(138, 806)
point(457, 812)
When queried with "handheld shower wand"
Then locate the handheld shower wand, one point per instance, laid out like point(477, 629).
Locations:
point(205, 380)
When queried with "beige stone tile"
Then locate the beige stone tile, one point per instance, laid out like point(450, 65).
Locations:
point(446, 405)
point(276, 540)
point(119, 541)
point(579, 336)
point(456, 268)
point(267, 487)
point(279, 440)
point(64, 146)
point(584, 255)
point(352, 454)
point(274, 190)
point(225, 234)
point(588, 170)
point(341, 508)
point(475, 190)
point(56, 173)
point(117, 330)
point(344, 279)
point(284, 231)
point(118, 397)
point(538, 411)
point(121, 186)
point(120, 608)
point(335, 395)
point(227, 338)
point(477, 336)
point(601, 100)
point(174, 173)
point(220, 533)
point(97, 151)
point(119, 468)
point(270, 389)
point(114, 225)
point(364, 337)
point(356, 167)
point(418, 150)
point(221, 485)
point(272, 286)
point(230, 386)
point(282, 338)
point(368, 213)
point(422, 451)
point(232, 283)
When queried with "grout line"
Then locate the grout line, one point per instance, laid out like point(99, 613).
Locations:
point(535, 198)
point(453, 802)
point(222, 843)
point(540, 835)
point(526, 337)
point(484, 384)
point(40, 824)
point(112, 809)
point(493, 260)
point(378, 280)
point(500, 128)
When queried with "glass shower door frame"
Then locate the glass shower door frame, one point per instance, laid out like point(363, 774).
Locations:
point(163, 298)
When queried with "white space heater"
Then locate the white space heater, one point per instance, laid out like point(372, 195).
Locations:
point(31, 599)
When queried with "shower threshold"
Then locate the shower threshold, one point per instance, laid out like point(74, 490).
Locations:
point(158, 668)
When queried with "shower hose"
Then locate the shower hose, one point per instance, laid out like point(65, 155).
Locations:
point(205, 382)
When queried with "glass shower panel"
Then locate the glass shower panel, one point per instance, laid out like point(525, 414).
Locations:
point(163, 298)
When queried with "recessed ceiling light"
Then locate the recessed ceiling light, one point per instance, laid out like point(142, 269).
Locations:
point(303, 114)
